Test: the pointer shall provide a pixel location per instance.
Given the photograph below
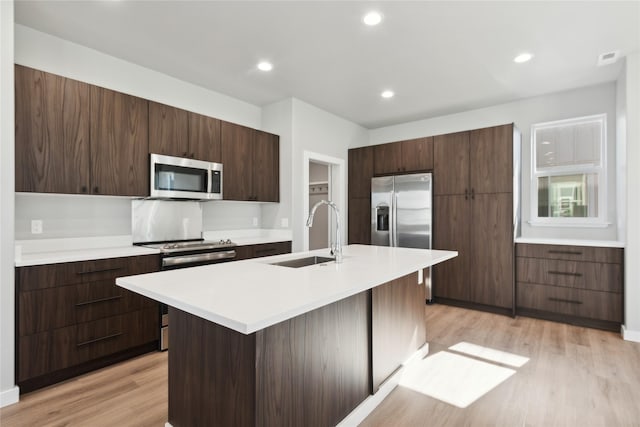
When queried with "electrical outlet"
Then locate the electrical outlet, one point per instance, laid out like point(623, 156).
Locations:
point(284, 222)
point(255, 221)
point(36, 226)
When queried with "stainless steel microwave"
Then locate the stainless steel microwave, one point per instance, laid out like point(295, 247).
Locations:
point(180, 178)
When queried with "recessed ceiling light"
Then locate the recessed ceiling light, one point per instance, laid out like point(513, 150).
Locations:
point(387, 94)
point(523, 57)
point(265, 66)
point(372, 18)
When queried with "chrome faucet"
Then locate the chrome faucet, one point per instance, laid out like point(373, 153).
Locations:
point(337, 248)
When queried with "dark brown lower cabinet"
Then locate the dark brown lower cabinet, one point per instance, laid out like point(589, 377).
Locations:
point(71, 318)
point(262, 250)
point(581, 285)
point(397, 325)
point(311, 370)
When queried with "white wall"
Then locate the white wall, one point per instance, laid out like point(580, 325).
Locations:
point(524, 113)
point(630, 86)
point(8, 390)
point(323, 133)
point(278, 118)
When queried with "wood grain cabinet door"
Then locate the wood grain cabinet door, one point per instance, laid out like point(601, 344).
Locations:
point(491, 252)
point(387, 158)
point(168, 130)
point(266, 167)
point(237, 159)
point(451, 163)
point(119, 144)
point(397, 325)
point(452, 215)
point(204, 138)
point(491, 164)
point(360, 172)
point(359, 221)
point(417, 154)
point(51, 133)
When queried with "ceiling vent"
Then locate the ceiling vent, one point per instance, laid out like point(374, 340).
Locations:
point(608, 58)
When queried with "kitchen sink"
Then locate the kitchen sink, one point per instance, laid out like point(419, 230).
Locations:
point(303, 262)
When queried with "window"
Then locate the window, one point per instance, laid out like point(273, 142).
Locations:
point(569, 172)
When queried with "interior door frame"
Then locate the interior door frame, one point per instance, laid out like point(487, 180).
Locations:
point(337, 193)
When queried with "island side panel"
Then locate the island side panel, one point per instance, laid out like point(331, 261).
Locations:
point(398, 326)
point(314, 369)
point(211, 373)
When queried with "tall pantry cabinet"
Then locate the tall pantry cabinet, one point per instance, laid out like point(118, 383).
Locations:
point(474, 193)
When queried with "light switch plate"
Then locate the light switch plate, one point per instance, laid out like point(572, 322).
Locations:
point(284, 222)
point(255, 221)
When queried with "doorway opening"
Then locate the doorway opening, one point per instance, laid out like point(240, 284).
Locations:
point(319, 189)
point(324, 179)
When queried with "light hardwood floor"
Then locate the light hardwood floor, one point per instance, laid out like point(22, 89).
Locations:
point(575, 377)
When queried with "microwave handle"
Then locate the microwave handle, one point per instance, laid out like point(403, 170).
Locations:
point(209, 180)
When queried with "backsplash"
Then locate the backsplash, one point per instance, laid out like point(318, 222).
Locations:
point(65, 215)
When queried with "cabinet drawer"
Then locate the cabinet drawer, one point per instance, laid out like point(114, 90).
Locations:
point(52, 275)
point(51, 308)
point(269, 249)
point(571, 253)
point(573, 302)
point(61, 348)
point(574, 274)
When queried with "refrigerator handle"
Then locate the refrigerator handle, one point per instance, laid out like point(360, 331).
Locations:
point(394, 205)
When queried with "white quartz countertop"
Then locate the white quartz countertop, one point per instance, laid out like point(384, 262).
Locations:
point(53, 251)
point(251, 295)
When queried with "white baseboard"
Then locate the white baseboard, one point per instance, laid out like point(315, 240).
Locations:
point(363, 410)
point(628, 335)
point(9, 397)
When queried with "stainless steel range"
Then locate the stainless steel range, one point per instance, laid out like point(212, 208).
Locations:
point(175, 228)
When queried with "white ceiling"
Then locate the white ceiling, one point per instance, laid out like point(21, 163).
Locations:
point(439, 57)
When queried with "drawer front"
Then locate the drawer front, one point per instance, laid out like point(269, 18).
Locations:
point(269, 249)
point(53, 275)
point(61, 348)
point(574, 274)
point(52, 308)
point(573, 302)
point(571, 253)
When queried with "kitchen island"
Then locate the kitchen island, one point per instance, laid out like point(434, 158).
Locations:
point(254, 343)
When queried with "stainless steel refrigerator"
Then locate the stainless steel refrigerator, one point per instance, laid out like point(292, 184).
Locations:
point(401, 213)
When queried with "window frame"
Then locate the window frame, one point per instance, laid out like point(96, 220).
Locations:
point(601, 170)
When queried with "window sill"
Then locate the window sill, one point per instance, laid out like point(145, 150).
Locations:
point(571, 224)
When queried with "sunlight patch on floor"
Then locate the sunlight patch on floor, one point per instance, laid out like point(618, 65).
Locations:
point(490, 354)
point(454, 379)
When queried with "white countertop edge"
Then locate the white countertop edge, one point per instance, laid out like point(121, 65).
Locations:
point(571, 242)
point(249, 328)
point(26, 260)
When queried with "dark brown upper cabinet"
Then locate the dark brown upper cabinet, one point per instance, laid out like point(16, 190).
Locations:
point(51, 133)
point(119, 144)
point(181, 133)
point(250, 159)
point(168, 130)
point(360, 172)
point(412, 155)
point(451, 163)
point(491, 153)
point(204, 138)
point(266, 166)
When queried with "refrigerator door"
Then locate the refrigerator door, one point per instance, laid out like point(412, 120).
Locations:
point(382, 219)
point(413, 211)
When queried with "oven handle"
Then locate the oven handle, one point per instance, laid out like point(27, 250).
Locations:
point(190, 259)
